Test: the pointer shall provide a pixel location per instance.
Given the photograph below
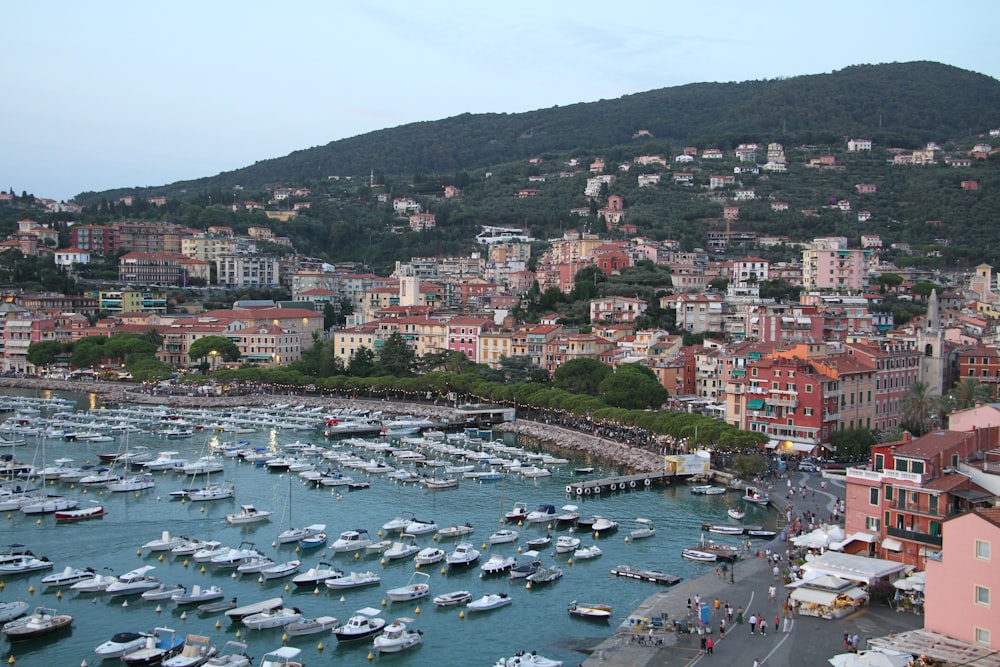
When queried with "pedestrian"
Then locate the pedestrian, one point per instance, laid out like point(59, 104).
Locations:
point(855, 640)
point(753, 627)
point(847, 640)
point(771, 593)
point(709, 645)
point(739, 615)
point(777, 572)
point(717, 605)
point(787, 627)
point(730, 612)
point(756, 662)
point(777, 624)
point(722, 627)
point(704, 643)
point(763, 627)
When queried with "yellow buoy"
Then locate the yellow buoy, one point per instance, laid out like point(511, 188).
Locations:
point(9, 517)
point(382, 562)
point(527, 586)
point(569, 561)
point(316, 591)
point(520, 523)
point(435, 538)
point(233, 576)
point(160, 558)
point(384, 603)
point(357, 555)
point(548, 527)
point(202, 510)
point(203, 569)
point(125, 604)
point(417, 611)
point(284, 638)
point(484, 545)
point(626, 539)
point(38, 522)
point(157, 497)
point(444, 570)
point(319, 647)
point(31, 590)
point(461, 614)
point(274, 544)
point(72, 486)
point(260, 579)
point(185, 562)
point(416, 566)
point(218, 624)
point(84, 492)
point(2, 585)
point(287, 588)
point(59, 595)
point(297, 549)
point(184, 615)
point(379, 533)
point(10, 660)
point(136, 494)
point(138, 552)
point(519, 550)
point(371, 656)
point(238, 634)
point(596, 534)
point(158, 609)
point(101, 492)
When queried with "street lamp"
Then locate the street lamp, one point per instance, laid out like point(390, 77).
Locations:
point(212, 359)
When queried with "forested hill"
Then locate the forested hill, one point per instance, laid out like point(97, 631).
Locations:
point(899, 104)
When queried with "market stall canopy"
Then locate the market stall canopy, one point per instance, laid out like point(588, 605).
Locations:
point(859, 569)
point(914, 582)
point(870, 659)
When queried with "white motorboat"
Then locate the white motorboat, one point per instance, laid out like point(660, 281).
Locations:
point(364, 623)
point(525, 569)
point(602, 525)
point(429, 556)
point(311, 626)
point(92, 512)
point(464, 555)
point(276, 618)
point(396, 637)
point(353, 580)
point(315, 576)
point(519, 513)
point(280, 570)
point(49, 505)
point(455, 530)
point(540, 542)
point(489, 601)
point(566, 544)
point(568, 514)
point(254, 565)
point(235, 557)
point(166, 542)
point(541, 514)
point(736, 514)
point(419, 527)
point(699, 555)
point(643, 529)
point(189, 547)
point(545, 574)
point(205, 465)
point(297, 534)
point(43, 621)
point(351, 540)
point(163, 592)
point(11, 610)
point(498, 564)
point(98, 583)
point(132, 483)
point(397, 525)
point(594, 611)
point(584, 553)
point(162, 645)
point(166, 460)
point(212, 492)
point(452, 598)
point(196, 651)
point(68, 577)
point(24, 563)
point(404, 548)
point(417, 587)
point(379, 547)
point(248, 514)
point(523, 659)
point(270, 604)
point(120, 644)
point(755, 496)
point(231, 657)
point(504, 536)
point(209, 550)
point(198, 595)
point(133, 582)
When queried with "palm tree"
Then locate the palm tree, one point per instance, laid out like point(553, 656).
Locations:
point(920, 408)
point(967, 392)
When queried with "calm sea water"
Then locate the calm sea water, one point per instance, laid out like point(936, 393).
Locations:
point(537, 619)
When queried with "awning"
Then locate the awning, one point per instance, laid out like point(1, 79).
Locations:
point(892, 544)
point(799, 447)
point(814, 596)
point(755, 404)
point(855, 593)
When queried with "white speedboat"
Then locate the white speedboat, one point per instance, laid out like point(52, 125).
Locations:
point(566, 544)
point(98, 583)
point(364, 623)
point(602, 525)
point(235, 557)
point(525, 569)
point(166, 542)
point(132, 483)
point(523, 659)
point(351, 540)
point(254, 565)
point(212, 492)
point(353, 580)
point(519, 513)
point(545, 575)
point(189, 547)
point(420, 527)
point(540, 542)
point(643, 529)
point(568, 514)
point(464, 555)
point(429, 556)
point(417, 587)
point(280, 570)
point(504, 536)
point(595, 611)
point(315, 576)
point(133, 582)
point(231, 657)
point(162, 645)
point(541, 514)
point(404, 548)
point(396, 637)
point(197, 595)
point(699, 555)
point(277, 618)
point(453, 598)
point(164, 592)
point(455, 531)
point(49, 505)
point(297, 534)
point(286, 656)
point(270, 604)
point(736, 514)
point(11, 610)
point(498, 564)
point(209, 550)
point(43, 621)
point(67, 577)
point(248, 514)
point(489, 601)
point(120, 644)
point(584, 553)
point(25, 563)
point(196, 651)
point(311, 626)
point(755, 496)
point(398, 524)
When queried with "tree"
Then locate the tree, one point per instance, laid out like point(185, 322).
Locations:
point(396, 357)
point(920, 408)
point(204, 347)
point(748, 466)
point(852, 444)
point(633, 387)
point(120, 346)
point(44, 353)
point(89, 351)
point(581, 376)
point(362, 363)
point(890, 281)
point(967, 392)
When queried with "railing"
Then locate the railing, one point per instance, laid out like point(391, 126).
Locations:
point(784, 402)
point(879, 475)
point(914, 536)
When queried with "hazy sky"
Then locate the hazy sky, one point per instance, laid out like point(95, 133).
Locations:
point(106, 94)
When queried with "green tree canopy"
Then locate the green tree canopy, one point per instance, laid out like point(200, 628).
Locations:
point(89, 351)
point(581, 376)
point(121, 345)
point(852, 444)
point(396, 357)
point(203, 347)
point(362, 363)
point(633, 386)
point(44, 352)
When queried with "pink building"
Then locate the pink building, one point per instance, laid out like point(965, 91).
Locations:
point(959, 592)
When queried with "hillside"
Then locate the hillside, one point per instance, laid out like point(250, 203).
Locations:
point(901, 104)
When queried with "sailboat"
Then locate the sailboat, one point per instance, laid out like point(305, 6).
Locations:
point(296, 534)
point(42, 502)
point(139, 482)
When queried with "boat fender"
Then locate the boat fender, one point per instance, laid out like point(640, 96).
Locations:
point(579, 490)
point(569, 489)
point(597, 489)
point(646, 482)
point(632, 484)
point(586, 492)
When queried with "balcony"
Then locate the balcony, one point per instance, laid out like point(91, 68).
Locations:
point(782, 401)
point(831, 416)
point(914, 536)
point(833, 393)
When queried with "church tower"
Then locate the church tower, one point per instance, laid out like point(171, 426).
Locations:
point(930, 344)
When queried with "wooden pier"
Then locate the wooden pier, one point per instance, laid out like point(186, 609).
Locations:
point(619, 483)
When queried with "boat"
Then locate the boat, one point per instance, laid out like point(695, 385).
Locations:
point(248, 514)
point(132, 483)
point(49, 505)
point(133, 582)
point(311, 626)
point(196, 652)
point(254, 565)
point(315, 576)
point(721, 551)
point(699, 555)
point(351, 540)
point(364, 623)
point(24, 564)
point(583, 470)
point(498, 564)
point(405, 547)
point(464, 555)
point(643, 529)
point(519, 513)
point(396, 637)
point(452, 598)
point(419, 527)
point(525, 569)
point(275, 618)
point(602, 526)
point(120, 644)
point(417, 587)
point(190, 547)
point(378, 547)
point(539, 542)
point(92, 512)
point(398, 524)
point(314, 541)
point(11, 610)
point(43, 621)
point(429, 556)
point(568, 515)
point(567, 543)
point(654, 576)
point(286, 656)
point(755, 496)
point(68, 577)
point(163, 592)
point(231, 657)
point(504, 536)
point(280, 570)
point(166, 542)
point(541, 514)
point(298, 534)
point(523, 659)
point(235, 557)
point(353, 580)
point(96, 584)
point(209, 550)
point(217, 607)
point(593, 611)
point(707, 490)
point(212, 492)
point(736, 514)
point(726, 529)
point(440, 482)
point(489, 602)
point(237, 613)
point(585, 553)
point(545, 574)
point(761, 532)
point(198, 595)
point(162, 645)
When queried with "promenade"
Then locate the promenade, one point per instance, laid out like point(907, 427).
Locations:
point(810, 641)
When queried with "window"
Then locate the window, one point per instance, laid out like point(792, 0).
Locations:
point(983, 596)
point(879, 462)
point(888, 493)
point(871, 523)
point(983, 636)
point(873, 496)
point(917, 467)
point(982, 550)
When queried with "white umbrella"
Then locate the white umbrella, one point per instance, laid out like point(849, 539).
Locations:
point(869, 659)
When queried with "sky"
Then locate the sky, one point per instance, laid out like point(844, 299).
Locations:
point(109, 94)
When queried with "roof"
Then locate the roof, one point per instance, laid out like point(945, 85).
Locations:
point(855, 568)
point(931, 444)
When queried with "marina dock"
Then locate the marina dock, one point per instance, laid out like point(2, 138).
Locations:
point(620, 483)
